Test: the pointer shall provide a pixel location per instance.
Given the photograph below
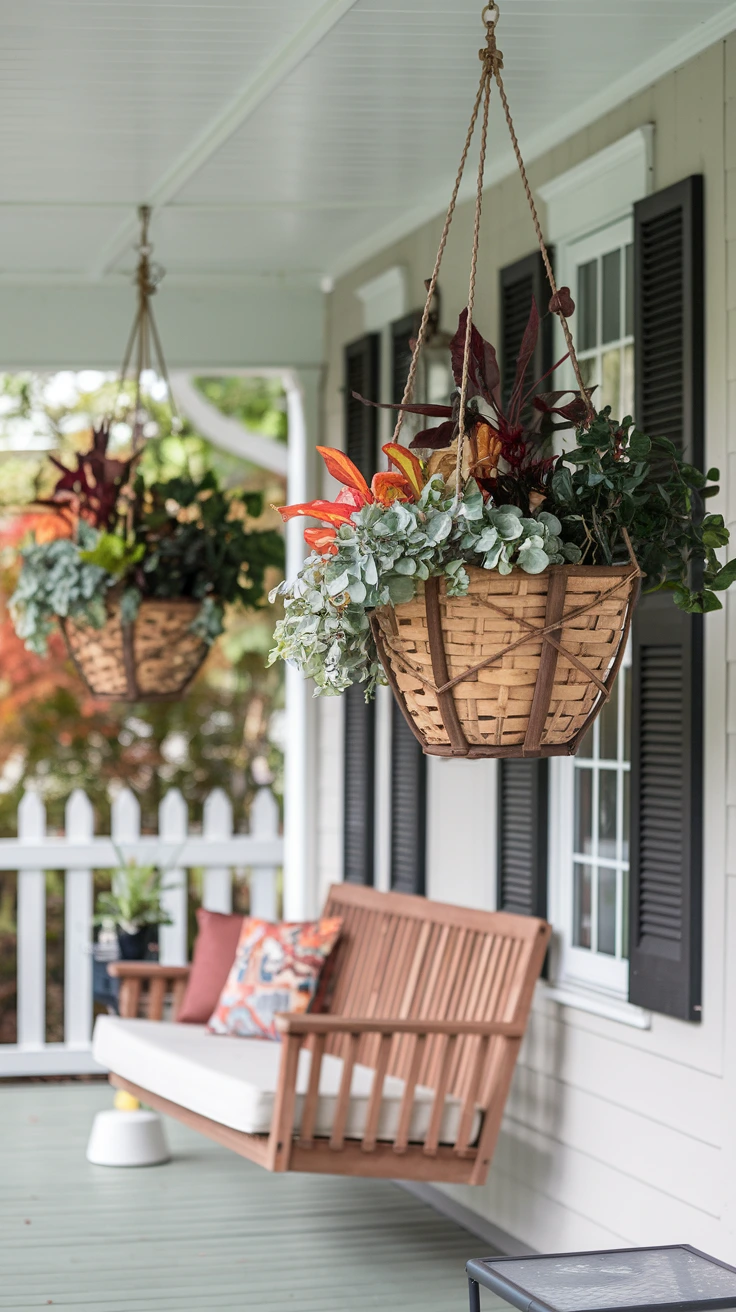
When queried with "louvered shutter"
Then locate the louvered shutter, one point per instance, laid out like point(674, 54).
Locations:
point(522, 837)
point(408, 762)
point(361, 431)
point(665, 902)
point(522, 785)
point(408, 808)
point(519, 282)
point(403, 332)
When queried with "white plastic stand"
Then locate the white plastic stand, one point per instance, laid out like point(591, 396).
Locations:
point(134, 1138)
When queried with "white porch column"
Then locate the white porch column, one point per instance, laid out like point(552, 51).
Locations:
point(300, 766)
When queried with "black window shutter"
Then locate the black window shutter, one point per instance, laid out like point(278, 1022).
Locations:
point(519, 282)
point(403, 332)
point(361, 433)
point(408, 762)
point(408, 808)
point(522, 785)
point(665, 929)
point(522, 837)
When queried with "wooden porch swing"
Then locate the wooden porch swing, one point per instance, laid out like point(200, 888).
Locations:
point(435, 995)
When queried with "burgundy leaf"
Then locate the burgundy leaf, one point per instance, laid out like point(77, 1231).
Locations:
point(574, 411)
point(526, 351)
point(432, 411)
point(562, 302)
point(484, 375)
point(435, 439)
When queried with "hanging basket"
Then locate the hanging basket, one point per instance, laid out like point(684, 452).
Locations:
point(519, 667)
point(153, 659)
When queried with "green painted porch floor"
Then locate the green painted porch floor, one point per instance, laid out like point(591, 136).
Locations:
point(206, 1231)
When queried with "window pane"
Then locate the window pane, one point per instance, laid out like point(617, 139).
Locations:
point(586, 747)
point(588, 305)
point(583, 811)
point(581, 919)
point(626, 818)
point(625, 915)
point(627, 381)
point(629, 323)
point(611, 324)
point(607, 813)
point(626, 676)
point(611, 381)
point(607, 911)
point(609, 727)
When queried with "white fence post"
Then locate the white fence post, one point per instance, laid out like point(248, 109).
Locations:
point(217, 822)
point(172, 827)
point(31, 930)
point(79, 823)
point(264, 823)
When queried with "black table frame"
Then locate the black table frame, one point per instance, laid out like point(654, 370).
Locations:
point(479, 1275)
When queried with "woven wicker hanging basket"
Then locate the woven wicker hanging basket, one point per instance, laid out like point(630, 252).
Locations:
point(520, 666)
point(153, 659)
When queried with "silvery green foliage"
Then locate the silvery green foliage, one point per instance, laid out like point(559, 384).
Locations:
point(55, 582)
point(381, 557)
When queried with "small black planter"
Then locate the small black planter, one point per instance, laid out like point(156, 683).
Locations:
point(134, 947)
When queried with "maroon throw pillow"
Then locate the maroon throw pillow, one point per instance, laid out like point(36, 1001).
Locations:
point(214, 954)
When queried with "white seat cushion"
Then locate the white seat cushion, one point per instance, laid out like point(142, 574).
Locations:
point(233, 1080)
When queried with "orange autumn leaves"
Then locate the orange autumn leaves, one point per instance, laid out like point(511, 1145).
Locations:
point(403, 483)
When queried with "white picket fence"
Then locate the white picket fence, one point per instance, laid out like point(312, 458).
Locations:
point(78, 852)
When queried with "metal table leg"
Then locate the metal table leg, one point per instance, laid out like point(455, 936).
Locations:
point(474, 1295)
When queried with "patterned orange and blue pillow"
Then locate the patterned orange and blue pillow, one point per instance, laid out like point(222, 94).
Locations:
point(276, 968)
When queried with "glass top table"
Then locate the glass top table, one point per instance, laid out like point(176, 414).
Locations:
point(616, 1280)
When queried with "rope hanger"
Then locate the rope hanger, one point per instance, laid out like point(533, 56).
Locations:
point(492, 64)
point(144, 332)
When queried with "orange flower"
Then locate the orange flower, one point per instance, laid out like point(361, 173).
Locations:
point(353, 496)
point(343, 469)
point(390, 486)
point(321, 540)
point(408, 464)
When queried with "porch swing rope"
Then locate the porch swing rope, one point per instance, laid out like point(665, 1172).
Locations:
point(492, 60)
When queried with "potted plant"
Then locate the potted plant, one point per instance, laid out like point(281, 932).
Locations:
point(133, 907)
point(140, 577)
point(492, 585)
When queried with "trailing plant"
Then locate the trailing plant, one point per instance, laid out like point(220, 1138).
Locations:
point(517, 505)
point(381, 543)
point(186, 537)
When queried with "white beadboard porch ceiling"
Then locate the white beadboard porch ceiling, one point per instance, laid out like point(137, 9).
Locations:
point(284, 139)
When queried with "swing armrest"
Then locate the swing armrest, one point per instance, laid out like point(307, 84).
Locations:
point(152, 978)
point(305, 1024)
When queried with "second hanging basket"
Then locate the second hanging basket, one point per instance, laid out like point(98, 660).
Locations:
point(519, 667)
point(152, 659)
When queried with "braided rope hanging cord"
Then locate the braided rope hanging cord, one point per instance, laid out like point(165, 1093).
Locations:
point(539, 709)
point(492, 64)
point(144, 332)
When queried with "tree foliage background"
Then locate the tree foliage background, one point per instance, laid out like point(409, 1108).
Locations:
point(54, 737)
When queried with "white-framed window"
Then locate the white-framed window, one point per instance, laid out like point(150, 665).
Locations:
point(601, 274)
point(590, 222)
point(589, 865)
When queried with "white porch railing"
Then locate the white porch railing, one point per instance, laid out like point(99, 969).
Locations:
point(78, 852)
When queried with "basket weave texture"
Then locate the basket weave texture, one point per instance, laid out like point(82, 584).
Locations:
point(475, 677)
point(152, 659)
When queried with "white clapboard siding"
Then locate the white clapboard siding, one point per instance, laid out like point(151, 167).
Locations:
point(79, 852)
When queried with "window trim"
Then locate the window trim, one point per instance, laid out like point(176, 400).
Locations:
point(595, 196)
